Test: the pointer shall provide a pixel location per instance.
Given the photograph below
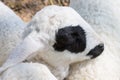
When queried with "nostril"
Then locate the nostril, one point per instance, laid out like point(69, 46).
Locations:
point(101, 46)
point(96, 51)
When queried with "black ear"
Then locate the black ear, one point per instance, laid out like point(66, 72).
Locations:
point(71, 38)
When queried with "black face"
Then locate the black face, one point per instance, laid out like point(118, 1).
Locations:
point(71, 38)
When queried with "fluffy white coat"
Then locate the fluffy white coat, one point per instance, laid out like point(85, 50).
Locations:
point(104, 16)
point(28, 71)
point(11, 29)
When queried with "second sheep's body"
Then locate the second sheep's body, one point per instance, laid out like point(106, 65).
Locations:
point(104, 17)
point(11, 29)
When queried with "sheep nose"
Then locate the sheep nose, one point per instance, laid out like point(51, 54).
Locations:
point(95, 52)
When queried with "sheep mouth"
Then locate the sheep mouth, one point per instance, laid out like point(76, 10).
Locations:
point(97, 51)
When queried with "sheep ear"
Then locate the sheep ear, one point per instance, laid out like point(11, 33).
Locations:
point(32, 43)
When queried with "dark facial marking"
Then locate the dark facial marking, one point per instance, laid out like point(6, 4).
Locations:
point(96, 51)
point(71, 38)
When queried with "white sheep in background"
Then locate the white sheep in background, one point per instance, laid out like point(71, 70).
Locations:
point(104, 16)
point(11, 28)
point(58, 36)
point(28, 71)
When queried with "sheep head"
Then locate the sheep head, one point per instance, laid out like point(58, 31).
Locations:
point(62, 34)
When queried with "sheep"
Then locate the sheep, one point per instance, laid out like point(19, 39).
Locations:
point(102, 12)
point(28, 71)
point(103, 15)
point(56, 36)
point(11, 29)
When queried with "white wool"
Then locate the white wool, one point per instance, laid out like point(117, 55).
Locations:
point(40, 37)
point(11, 28)
point(104, 17)
point(28, 71)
